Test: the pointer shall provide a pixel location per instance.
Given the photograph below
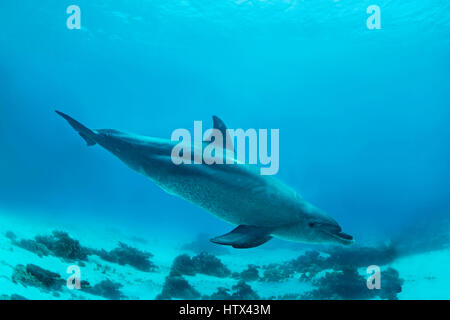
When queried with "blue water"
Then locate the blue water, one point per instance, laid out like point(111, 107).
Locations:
point(363, 114)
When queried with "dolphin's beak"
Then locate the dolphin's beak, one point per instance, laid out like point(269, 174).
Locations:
point(335, 231)
point(343, 238)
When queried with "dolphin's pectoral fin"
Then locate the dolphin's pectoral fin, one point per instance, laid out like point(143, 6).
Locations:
point(244, 237)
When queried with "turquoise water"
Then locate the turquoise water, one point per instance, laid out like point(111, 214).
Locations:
point(363, 116)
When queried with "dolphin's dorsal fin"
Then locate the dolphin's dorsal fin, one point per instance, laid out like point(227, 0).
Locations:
point(244, 237)
point(218, 124)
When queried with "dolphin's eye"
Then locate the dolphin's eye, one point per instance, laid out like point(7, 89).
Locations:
point(311, 224)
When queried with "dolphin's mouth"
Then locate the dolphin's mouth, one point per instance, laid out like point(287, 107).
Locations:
point(342, 237)
point(336, 233)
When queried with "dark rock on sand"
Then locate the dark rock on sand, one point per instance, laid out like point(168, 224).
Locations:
point(107, 289)
point(12, 297)
point(249, 274)
point(203, 263)
point(33, 246)
point(60, 244)
point(126, 255)
point(348, 284)
point(358, 256)
point(240, 291)
point(276, 272)
point(63, 246)
point(177, 287)
point(33, 275)
point(312, 262)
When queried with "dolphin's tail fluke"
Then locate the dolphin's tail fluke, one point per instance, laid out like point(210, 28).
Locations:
point(87, 134)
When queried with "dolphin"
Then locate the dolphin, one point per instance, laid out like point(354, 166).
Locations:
point(261, 206)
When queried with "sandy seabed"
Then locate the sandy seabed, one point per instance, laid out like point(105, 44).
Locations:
point(424, 275)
